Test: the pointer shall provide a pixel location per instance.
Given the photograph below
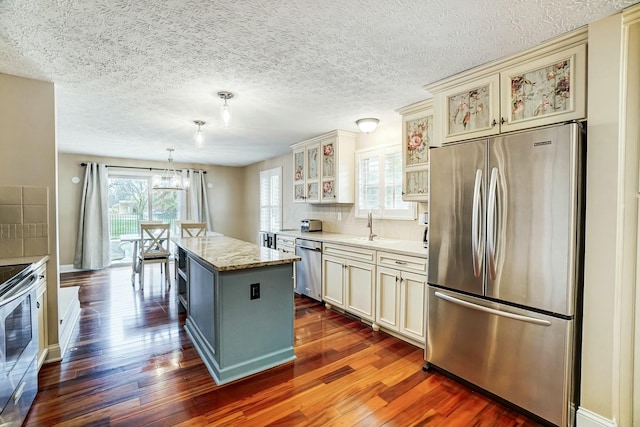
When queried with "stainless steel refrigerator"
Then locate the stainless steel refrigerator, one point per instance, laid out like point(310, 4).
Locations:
point(504, 266)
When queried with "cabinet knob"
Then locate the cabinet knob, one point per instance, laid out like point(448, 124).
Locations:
point(502, 120)
point(38, 304)
point(494, 123)
point(41, 276)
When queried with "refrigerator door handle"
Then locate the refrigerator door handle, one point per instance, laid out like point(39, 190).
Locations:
point(493, 311)
point(476, 230)
point(491, 222)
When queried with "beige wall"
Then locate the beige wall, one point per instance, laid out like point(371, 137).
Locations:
point(225, 197)
point(28, 157)
point(611, 228)
point(387, 133)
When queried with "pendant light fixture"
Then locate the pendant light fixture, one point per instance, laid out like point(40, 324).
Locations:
point(199, 136)
point(169, 180)
point(225, 111)
point(367, 125)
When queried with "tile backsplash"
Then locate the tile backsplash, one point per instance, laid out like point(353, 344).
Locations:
point(24, 221)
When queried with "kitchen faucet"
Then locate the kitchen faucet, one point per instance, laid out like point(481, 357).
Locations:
point(370, 225)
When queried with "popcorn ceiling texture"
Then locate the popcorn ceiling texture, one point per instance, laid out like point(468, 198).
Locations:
point(131, 76)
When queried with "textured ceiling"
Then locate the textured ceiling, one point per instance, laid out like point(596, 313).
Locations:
point(132, 75)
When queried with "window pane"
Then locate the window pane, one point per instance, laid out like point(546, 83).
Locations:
point(271, 199)
point(128, 204)
point(165, 206)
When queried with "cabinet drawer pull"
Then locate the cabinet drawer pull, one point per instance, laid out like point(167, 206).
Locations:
point(401, 262)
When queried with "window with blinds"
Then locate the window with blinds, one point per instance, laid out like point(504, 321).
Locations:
point(379, 184)
point(271, 199)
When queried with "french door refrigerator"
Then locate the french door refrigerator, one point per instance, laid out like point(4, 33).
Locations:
point(504, 266)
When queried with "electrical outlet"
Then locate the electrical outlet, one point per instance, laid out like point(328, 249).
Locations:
point(255, 290)
point(339, 216)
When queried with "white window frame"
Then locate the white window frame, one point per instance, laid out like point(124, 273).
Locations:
point(408, 214)
point(273, 205)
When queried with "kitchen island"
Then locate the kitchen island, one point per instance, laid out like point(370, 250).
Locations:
point(239, 302)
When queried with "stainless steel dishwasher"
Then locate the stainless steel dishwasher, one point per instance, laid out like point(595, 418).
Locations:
point(309, 268)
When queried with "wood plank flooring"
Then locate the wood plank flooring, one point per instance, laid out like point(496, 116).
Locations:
point(130, 363)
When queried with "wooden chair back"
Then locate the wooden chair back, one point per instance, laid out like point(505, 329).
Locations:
point(154, 240)
point(193, 229)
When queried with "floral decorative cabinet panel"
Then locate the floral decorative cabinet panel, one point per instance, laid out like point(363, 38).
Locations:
point(299, 173)
point(312, 162)
point(417, 137)
point(312, 191)
point(328, 191)
point(417, 183)
point(328, 159)
point(471, 110)
point(328, 172)
point(547, 90)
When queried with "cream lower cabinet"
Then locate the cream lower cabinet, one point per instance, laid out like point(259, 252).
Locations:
point(401, 289)
point(348, 280)
point(41, 306)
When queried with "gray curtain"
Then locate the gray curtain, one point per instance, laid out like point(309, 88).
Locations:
point(93, 245)
point(198, 204)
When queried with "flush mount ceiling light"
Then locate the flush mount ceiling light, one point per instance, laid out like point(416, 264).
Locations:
point(169, 180)
point(225, 112)
point(199, 136)
point(367, 125)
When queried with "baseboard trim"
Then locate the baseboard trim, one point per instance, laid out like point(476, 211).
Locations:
point(68, 268)
point(586, 418)
point(54, 354)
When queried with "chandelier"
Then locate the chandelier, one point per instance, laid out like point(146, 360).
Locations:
point(169, 179)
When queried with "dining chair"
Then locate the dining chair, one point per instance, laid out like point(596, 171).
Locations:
point(154, 248)
point(189, 229)
point(193, 229)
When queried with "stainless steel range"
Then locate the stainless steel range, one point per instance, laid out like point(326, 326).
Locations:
point(18, 342)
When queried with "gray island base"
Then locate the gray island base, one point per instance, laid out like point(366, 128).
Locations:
point(240, 308)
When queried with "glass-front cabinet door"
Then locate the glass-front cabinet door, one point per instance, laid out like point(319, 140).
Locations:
point(471, 110)
point(329, 165)
point(312, 178)
point(299, 188)
point(544, 91)
point(417, 137)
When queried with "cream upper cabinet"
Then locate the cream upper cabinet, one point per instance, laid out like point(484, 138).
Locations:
point(541, 86)
point(306, 173)
point(470, 110)
point(417, 136)
point(323, 168)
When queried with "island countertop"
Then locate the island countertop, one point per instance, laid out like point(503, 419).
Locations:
point(227, 254)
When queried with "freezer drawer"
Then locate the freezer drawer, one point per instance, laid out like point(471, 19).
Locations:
point(521, 356)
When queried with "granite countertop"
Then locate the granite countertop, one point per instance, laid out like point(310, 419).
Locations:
point(399, 246)
point(227, 254)
point(38, 259)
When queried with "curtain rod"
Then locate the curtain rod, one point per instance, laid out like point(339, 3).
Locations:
point(139, 167)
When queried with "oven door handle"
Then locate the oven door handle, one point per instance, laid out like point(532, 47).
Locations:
point(26, 289)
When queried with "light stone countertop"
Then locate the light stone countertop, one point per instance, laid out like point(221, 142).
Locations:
point(227, 254)
point(399, 246)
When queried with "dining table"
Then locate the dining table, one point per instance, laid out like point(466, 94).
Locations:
point(135, 239)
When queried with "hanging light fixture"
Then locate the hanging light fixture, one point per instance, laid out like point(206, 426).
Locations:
point(169, 180)
point(225, 111)
point(199, 136)
point(367, 125)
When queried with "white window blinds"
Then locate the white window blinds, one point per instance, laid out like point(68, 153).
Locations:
point(379, 184)
point(271, 199)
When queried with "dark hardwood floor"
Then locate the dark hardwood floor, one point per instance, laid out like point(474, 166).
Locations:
point(130, 363)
